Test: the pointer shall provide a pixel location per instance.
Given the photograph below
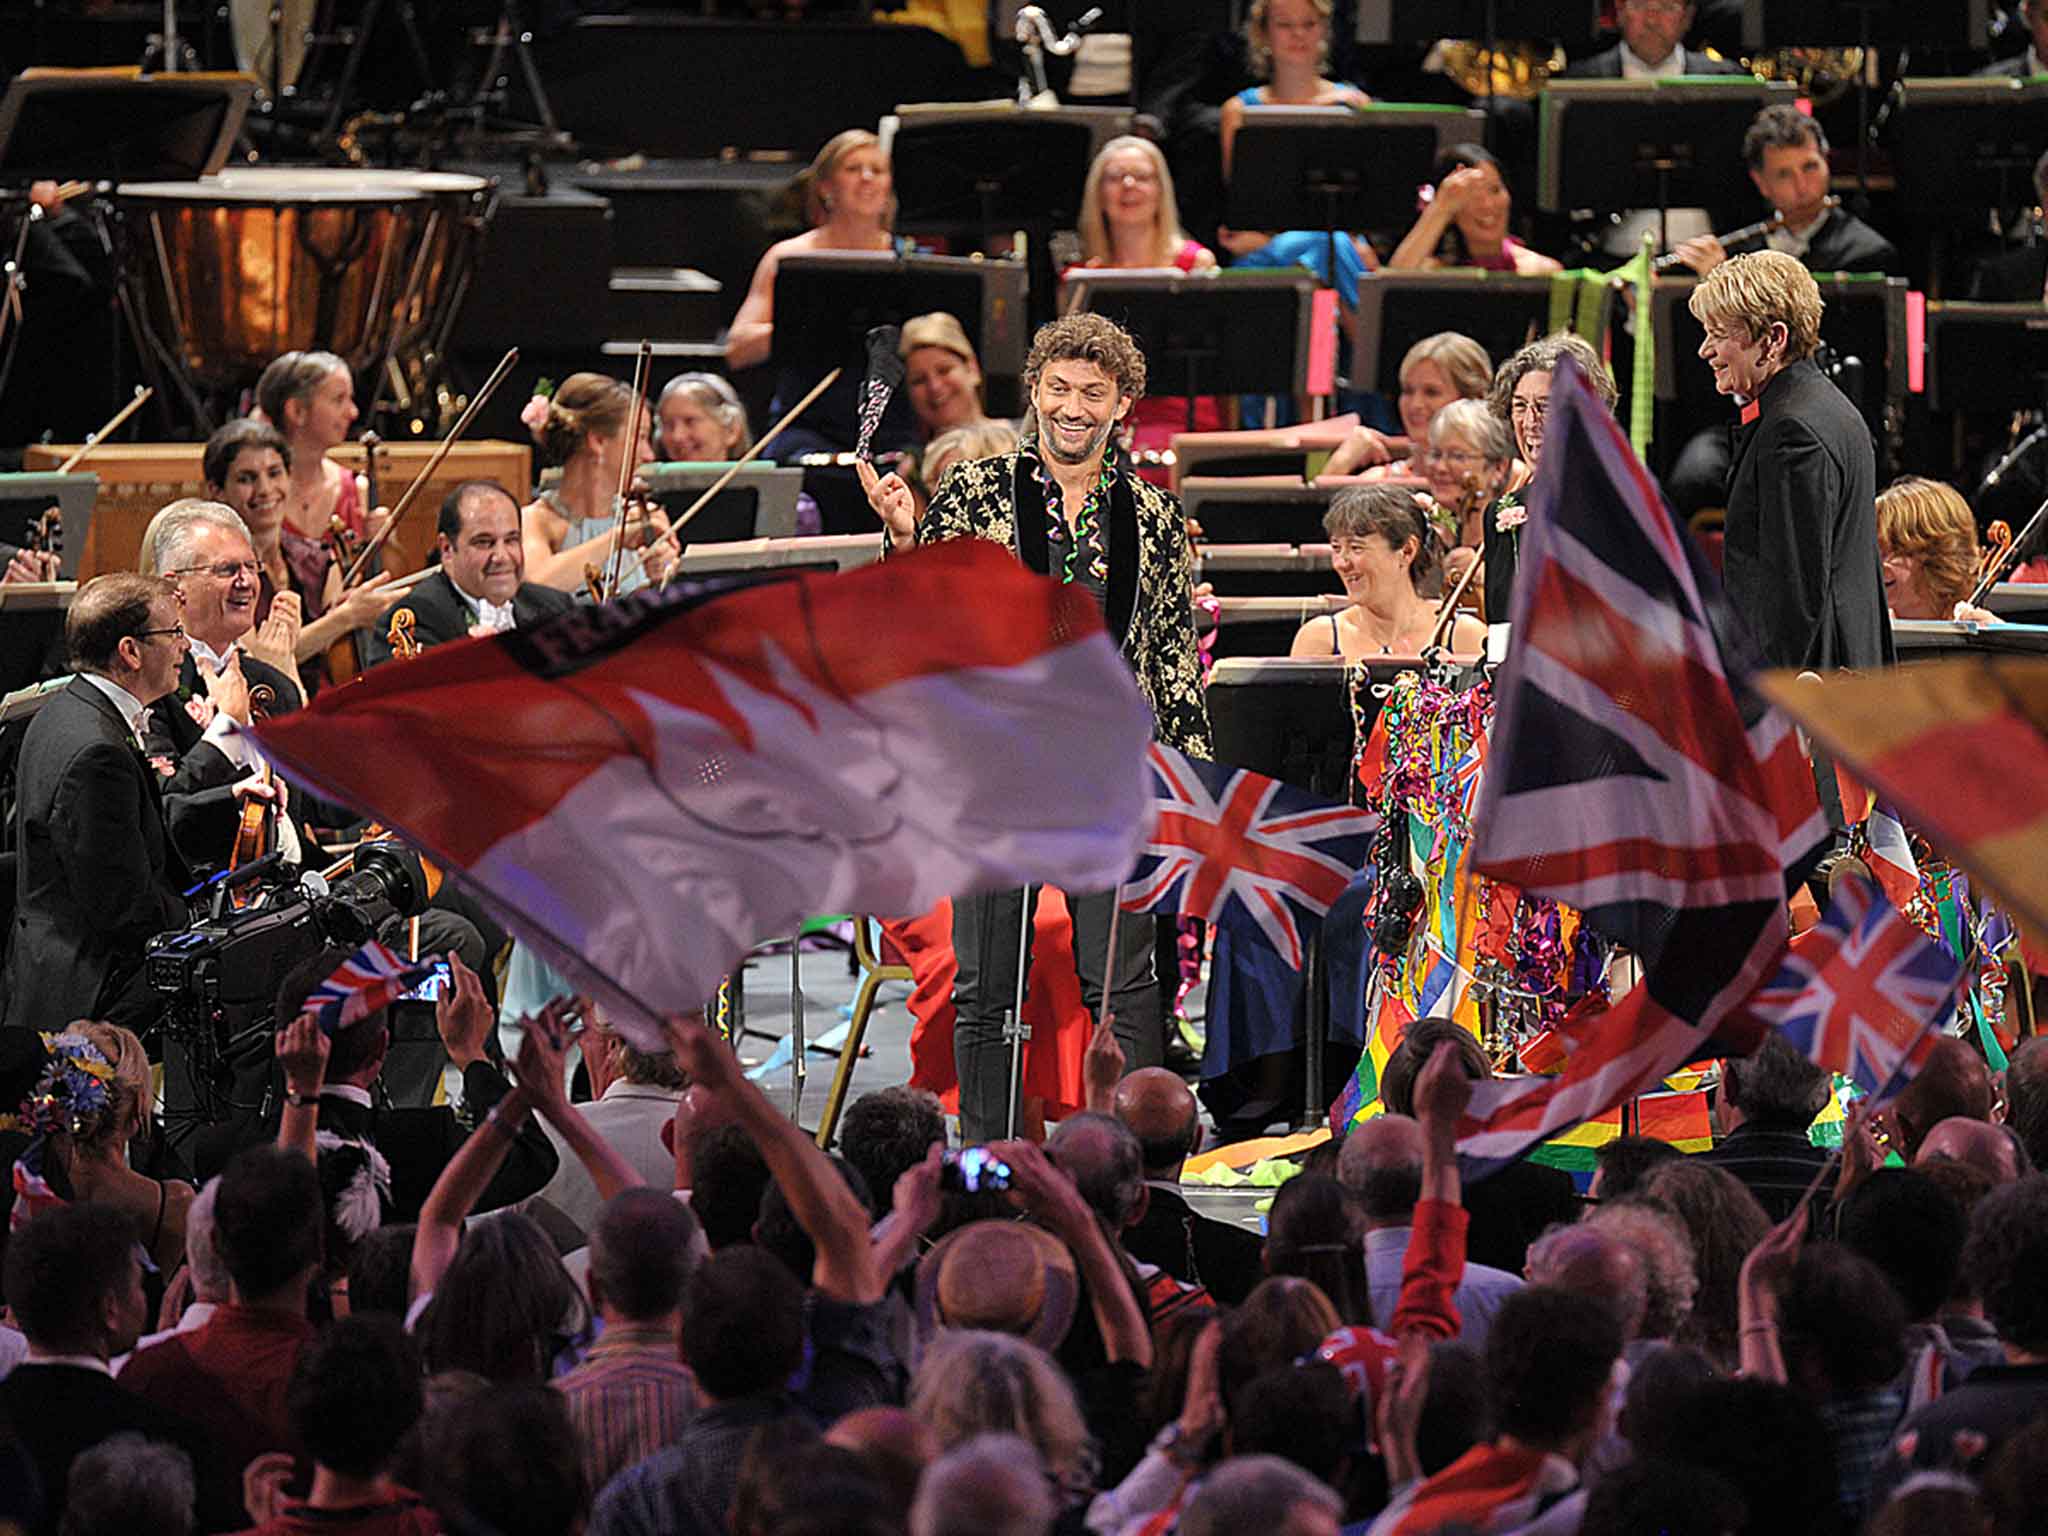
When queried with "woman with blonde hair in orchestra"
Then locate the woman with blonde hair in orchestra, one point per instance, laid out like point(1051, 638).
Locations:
point(850, 203)
point(1927, 543)
point(586, 428)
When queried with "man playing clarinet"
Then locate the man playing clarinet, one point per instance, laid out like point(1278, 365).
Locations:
point(1069, 505)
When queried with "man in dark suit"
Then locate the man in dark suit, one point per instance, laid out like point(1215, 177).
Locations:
point(97, 873)
point(74, 1284)
point(481, 587)
point(1653, 34)
point(1160, 1111)
point(1801, 560)
point(418, 1142)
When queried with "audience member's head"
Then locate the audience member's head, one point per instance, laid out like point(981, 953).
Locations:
point(1418, 1044)
point(267, 1223)
point(1621, 1165)
point(896, 1444)
point(1003, 1276)
point(1261, 1493)
point(1304, 1413)
point(743, 1324)
point(1932, 1501)
point(1381, 1165)
point(2004, 1259)
point(355, 1392)
point(728, 1178)
point(2026, 1098)
point(1952, 1081)
point(210, 1279)
point(505, 1307)
point(1906, 1224)
point(1163, 1115)
point(778, 1232)
point(1659, 1383)
point(1840, 1324)
point(642, 1251)
point(794, 1484)
point(1724, 1222)
point(1768, 1442)
point(1549, 1357)
point(1777, 1088)
point(1102, 1156)
point(504, 1461)
point(380, 1271)
point(126, 1484)
point(1665, 1497)
point(1313, 1232)
point(987, 1485)
point(74, 1282)
point(1995, 1150)
point(1664, 1250)
point(972, 1382)
point(1282, 1320)
point(1597, 1262)
point(1457, 1410)
point(2016, 1481)
point(886, 1133)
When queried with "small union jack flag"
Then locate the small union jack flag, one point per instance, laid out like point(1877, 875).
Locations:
point(371, 978)
point(1232, 846)
point(1862, 994)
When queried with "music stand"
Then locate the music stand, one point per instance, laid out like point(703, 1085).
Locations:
point(59, 125)
point(1499, 310)
point(1232, 512)
point(1609, 144)
point(1217, 333)
point(757, 503)
point(25, 496)
point(1986, 357)
point(821, 554)
point(827, 302)
point(1967, 145)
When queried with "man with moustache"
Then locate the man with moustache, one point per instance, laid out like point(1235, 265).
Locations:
point(1068, 503)
point(481, 587)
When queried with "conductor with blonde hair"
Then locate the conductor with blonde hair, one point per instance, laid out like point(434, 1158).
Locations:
point(1801, 557)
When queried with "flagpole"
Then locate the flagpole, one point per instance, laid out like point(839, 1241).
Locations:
point(796, 1027)
point(1017, 1030)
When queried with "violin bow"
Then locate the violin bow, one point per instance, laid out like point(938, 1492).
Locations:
point(643, 365)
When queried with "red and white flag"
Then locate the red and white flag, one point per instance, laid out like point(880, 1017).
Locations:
point(647, 790)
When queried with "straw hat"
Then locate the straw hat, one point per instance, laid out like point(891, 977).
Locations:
point(1006, 1276)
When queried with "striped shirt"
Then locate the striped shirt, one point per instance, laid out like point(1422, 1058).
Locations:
point(631, 1396)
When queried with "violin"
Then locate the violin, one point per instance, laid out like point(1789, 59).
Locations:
point(45, 535)
point(405, 644)
point(256, 833)
point(344, 658)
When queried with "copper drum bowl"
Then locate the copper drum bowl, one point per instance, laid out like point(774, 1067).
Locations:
point(239, 267)
point(442, 259)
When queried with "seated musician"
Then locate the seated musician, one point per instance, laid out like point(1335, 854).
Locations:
point(1469, 463)
point(586, 427)
point(247, 466)
point(1436, 370)
point(1521, 399)
point(941, 374)
point(983, 440)
point(2018, 275)
point(701, 420)
point(1465, 222)
point(1927, 540)
point(1386, 554)
point(310, 398)
point(850, 202)
point(481, 587)
point(1130, 221)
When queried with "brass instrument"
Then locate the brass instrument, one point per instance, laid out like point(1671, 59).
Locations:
point(1825, 74)
point(1517, 71)
point(1671, 260)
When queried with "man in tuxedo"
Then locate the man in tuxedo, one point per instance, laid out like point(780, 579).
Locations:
point(1160, 1111)
point(481, 587)
point(1652, 46)
point(1801, 559)
point(97, 873)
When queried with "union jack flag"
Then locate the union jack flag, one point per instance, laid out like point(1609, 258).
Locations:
point(1633, 776)
point(1232, 846)
point(1862, 993)
point(371, 978)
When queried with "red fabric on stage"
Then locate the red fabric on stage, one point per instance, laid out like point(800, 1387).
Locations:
point(1060, 1026)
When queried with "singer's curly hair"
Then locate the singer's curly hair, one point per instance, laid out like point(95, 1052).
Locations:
point(1088, 338)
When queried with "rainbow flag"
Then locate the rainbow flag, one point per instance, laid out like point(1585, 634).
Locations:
point(1679, 1118)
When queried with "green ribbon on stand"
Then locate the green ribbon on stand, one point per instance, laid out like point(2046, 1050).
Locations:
point(1578, 303)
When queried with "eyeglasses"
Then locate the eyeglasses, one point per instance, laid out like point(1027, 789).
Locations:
point(1452, 456)
point(226, 570)
point(149, 634)
point(1528, 408)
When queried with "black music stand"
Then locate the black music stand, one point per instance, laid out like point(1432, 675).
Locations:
point(1217, 333)
point(1987, 357)
point(985, 175)
point(1663, 144)
point(1498, 310)
point(1335, 168)
point(759, 502)
point(1232, 512)
point(26, 495)
point(826, 303)
point(1967, 145)
point(60, 125)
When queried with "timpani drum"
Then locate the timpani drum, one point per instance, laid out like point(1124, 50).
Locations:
point(239, 267)
point(440, 263)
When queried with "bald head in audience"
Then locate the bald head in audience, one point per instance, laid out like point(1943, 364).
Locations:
point(992, 1485)
point(1954, 1082)
point(1381, 1164)
point(1593, 1262)
point(1161, 1112)
point(1993, 1150)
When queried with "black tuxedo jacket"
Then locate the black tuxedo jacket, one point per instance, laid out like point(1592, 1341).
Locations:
point(174, 737)
point(418, 1143)
point(1843, 244)
point(1196, 1249)
point(1607, 66)
point(96, 874)
point(1800, 556)
point(441, 614)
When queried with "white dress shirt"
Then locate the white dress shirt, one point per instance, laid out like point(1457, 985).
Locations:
point(133, 711)
point(492, 618)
